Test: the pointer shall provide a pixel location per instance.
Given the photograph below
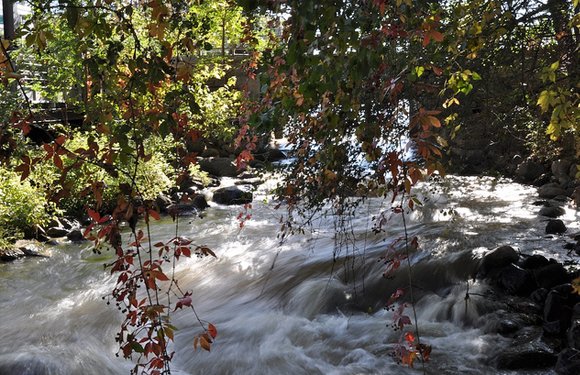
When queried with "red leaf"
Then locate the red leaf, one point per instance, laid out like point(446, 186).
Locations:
point(154, 214)
point(159, 275)
point(185, 301)
point(88, 230)
point(409, 337)
point(94, 215)
point(48, 148)
point(212, 330)
point(60, 140)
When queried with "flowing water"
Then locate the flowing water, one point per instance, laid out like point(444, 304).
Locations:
point(312, 304)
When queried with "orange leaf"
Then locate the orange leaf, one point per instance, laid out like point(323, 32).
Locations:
point(434, 121)
point(436, 36)
point(204, 343)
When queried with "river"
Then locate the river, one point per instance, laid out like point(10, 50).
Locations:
point(304, 306)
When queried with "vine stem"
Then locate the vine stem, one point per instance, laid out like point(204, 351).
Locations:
point(410, 276)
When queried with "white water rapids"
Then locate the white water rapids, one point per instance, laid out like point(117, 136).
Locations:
point(288, 308)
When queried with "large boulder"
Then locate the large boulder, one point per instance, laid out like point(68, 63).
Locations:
point(535, 261)
point(568, 362)
point(574, 331)
point(527, 352)
point(551, 275)
point(561, 169)
point(551, 190)
point(529, 170)
point(220, 167)
point(557, 314)
point(232, 195)
point(515, 280)
point(497, 259)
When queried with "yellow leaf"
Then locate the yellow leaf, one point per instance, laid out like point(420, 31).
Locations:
point(576, 285)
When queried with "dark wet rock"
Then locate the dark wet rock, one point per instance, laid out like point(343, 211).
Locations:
point(508, 326)
point(527, 352)
point(496, 259)
point(551, 190)
point(188, 182)
point(75, 235)
point(568, 362)
point(551, 275)
point(515, 280)
point(539, 296)
point(31, 249)
point(22, 248)
point(36, 233)
point(275, 154)
point(199, 202)
point(211, 152)
point(557, 315)
point(189, 204)
point(220, 167)
point(576, 196)
point(10, 254)
point(507, 323)
point(561, 168)
point(534, 261)
point(163, 201)
point(56, 232)
point(232, 195)
point(541, 203)
point(574, 331)
point(529, 171)
point(542, 180)
point(552, 211)
point(555, 226)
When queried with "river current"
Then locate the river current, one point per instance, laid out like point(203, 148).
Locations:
point(311, 304)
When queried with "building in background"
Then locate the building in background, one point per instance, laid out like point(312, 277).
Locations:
point(11, 18)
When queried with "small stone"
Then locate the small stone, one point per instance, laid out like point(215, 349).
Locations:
point(232, 195)
point(552, 211)
point(555, 226)
point(75, 235)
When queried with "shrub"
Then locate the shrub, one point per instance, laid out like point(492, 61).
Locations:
point(22, 206)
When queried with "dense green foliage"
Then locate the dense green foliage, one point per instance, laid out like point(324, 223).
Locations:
point(21, 206)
